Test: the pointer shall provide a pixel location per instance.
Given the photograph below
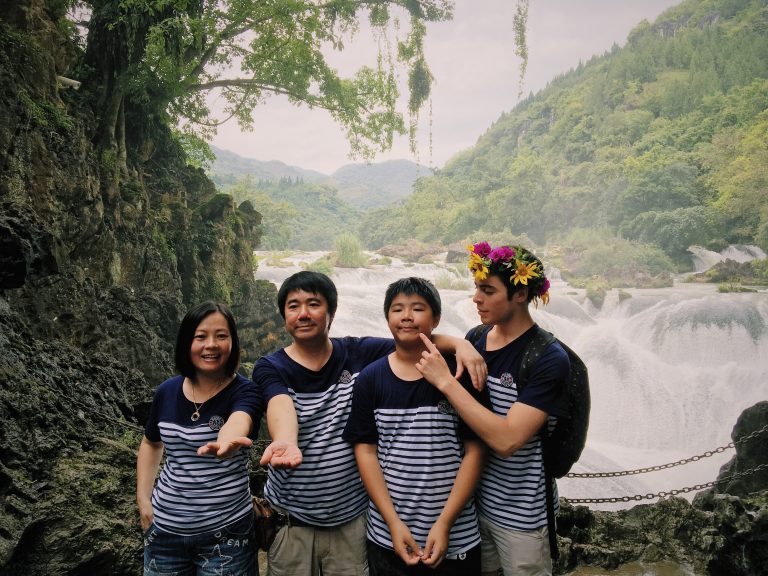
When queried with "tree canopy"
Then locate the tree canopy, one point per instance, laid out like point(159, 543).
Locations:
point(167, 61)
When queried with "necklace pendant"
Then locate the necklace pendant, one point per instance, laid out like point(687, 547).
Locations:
point(195, 416)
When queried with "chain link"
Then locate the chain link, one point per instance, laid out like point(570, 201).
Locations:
point(663, 494)
point(696, 458)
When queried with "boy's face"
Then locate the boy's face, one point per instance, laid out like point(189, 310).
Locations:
point(306, 316)
point(407, 316)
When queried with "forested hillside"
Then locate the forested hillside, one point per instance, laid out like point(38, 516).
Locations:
point(297, 214)
point(306, 209)
point(663, 141)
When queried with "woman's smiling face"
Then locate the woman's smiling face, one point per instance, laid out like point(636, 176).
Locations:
point(211, 346)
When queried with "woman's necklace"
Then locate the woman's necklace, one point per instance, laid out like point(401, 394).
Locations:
point(196, 414)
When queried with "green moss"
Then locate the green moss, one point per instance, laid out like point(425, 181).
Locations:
point(108, 160)
point(624, 295)
point(217, 288)
point(727, 288)
point(163, 246)
point(46, 115)
point(597, 289)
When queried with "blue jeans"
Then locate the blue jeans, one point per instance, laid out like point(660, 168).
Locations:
point(229, 551)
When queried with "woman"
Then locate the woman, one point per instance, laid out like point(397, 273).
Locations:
point(198, 518)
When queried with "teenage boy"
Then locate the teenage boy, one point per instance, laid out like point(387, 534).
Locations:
point(419, 464)
point(511, 495)
point(308, 390)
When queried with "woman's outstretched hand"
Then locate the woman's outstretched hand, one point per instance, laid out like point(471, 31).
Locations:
point(226, 449)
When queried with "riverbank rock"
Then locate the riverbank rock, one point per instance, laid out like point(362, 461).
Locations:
point(747, 472)
point(723, 531)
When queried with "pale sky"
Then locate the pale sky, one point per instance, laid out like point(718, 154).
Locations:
point(476, 79)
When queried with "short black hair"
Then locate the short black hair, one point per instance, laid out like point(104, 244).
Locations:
point(413, 285)
point(186, 334)
point(311, 282)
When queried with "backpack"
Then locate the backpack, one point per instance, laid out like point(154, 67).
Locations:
point(561, 445)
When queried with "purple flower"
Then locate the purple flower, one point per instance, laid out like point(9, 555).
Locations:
point(501, 254)
point(544, 287)
point(482, 249)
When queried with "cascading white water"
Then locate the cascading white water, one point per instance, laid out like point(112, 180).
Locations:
point(670, 369)
point(704, 259)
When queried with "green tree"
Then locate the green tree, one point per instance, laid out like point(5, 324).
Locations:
point(163, 61)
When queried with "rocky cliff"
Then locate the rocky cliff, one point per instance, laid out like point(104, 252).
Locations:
point(99, 259)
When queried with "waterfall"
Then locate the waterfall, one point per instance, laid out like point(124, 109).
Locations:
point(704, 259)
point(670, 369)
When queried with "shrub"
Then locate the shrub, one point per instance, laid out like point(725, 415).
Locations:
point(349, 252)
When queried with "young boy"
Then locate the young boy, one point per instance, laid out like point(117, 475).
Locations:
point(418, 462)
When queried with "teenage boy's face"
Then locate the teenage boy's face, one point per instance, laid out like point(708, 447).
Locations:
point(306, 315)
point(407, 316)
point(491, 301)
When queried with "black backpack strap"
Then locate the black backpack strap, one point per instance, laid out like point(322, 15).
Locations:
point(554, 553)
point(477, 332)
point(541, 340)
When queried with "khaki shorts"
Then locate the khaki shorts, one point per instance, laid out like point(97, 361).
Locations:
point(516, 552)
point(304, 551)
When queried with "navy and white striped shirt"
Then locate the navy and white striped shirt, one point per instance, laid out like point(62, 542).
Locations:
point(511, 492)
point(325, 490)
point(419, 440)
point(196, 494)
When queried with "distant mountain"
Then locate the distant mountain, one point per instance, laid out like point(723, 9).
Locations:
point(230, 167)
point(362, 186)
point(376, 185)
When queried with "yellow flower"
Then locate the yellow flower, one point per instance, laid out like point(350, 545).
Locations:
point(477, 267)
point(524, 272)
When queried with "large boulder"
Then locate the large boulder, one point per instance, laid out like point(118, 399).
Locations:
point(747, 472)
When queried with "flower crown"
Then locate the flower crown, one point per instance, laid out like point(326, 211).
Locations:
point(517, 262)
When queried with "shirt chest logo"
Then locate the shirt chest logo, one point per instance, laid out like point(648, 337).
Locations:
point(216, 422)
point(345, 377)
point(444, 407)
point(506, 380)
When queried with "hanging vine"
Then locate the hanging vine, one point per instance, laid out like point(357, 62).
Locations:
point(520, 29)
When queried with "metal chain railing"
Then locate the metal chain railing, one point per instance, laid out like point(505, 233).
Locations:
point(664, 494)
point(696, 458)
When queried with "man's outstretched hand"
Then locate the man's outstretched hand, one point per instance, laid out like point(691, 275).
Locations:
point(281, 454)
